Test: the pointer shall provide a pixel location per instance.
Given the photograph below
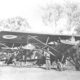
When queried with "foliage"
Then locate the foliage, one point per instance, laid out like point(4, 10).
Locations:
point(14, 24)
point(54, 13)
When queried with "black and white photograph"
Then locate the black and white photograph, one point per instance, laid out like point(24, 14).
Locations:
point(39, 40)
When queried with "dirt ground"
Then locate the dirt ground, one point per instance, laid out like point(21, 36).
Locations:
point(13, 73)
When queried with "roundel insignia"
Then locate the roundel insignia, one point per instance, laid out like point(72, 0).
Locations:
point(9, 36)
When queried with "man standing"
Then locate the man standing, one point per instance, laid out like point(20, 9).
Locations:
point(47, 56)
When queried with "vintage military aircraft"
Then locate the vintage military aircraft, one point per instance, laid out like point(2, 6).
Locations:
point(60, 45)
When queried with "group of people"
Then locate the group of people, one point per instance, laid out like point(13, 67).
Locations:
point(40, 55)
point(23, 55)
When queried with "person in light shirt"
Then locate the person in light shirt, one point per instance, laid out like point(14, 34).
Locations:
point(47, 56)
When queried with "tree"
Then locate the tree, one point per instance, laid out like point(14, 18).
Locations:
point(67, 15)
point(76, 22)
point(15, 24)
point(52, 14)
point(71, 10)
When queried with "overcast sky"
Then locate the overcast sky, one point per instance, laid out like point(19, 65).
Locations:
point(28, 9)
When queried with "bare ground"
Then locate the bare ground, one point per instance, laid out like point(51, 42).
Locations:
point(14, 73)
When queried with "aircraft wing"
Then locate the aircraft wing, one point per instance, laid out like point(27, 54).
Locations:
point(41, 40)
point(19, 37)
